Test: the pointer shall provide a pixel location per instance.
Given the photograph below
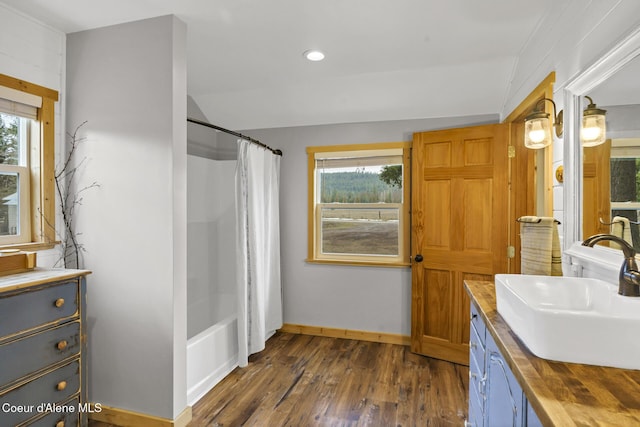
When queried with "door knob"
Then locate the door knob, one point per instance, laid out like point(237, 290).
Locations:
point(418, 258)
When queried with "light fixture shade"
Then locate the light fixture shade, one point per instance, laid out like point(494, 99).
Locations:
point(594, 130)
point(594, 125)
point(537, 132)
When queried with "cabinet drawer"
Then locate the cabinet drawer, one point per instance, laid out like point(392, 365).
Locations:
point(478, 323)
point(476, 346)
point(32, 308)
point(68, 419)
point(476, 382)
point(33, 397)
point(35, 352)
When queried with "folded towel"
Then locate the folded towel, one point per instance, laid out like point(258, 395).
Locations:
point(621, 227)
point(540, 246)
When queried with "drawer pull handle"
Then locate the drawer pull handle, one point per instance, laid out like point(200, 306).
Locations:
point(60, 423)
point(61, 345)
point(61, 385)
point(59, 302)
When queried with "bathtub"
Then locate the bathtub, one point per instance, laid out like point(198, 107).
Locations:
point(211, 355)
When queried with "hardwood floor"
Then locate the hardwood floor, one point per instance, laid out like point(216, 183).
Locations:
point(301, 380)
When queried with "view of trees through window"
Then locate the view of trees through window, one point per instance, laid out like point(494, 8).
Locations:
point(625, 188)
point(625, 179)
point(360, 212)
point(9, 155)
point(362, 185)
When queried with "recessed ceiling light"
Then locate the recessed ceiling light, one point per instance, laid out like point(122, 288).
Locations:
point(314, 55)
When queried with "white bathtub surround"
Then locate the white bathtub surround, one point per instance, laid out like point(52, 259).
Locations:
point(211, 223)
point(258, 248)
point(212, 347)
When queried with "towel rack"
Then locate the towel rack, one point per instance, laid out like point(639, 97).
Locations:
point(530, 220)
point(618, 222)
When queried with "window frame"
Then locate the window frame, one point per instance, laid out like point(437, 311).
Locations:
point(21, 170)
point(314, 209)
point(41, 167)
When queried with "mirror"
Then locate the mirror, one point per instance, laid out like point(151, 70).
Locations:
point(602, 182)
point(610, 185)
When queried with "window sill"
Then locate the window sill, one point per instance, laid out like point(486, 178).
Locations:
point(34, 246)
point(359, 263)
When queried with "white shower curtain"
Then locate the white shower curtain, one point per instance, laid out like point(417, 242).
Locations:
point(258, 248)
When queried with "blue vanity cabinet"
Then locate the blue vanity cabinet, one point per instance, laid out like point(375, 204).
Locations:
point(43, 339)
point(505, 400)
point(496, 398)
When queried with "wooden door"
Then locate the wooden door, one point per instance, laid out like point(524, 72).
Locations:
point(523, 167)
point(459, 230)
point(596, 189)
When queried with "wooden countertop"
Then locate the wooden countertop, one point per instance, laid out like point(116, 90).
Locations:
point(37, 276)
point(562, 394)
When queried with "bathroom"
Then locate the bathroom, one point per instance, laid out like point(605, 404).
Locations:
point(135, 227)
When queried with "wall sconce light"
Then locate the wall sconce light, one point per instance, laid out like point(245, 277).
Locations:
point(594, 125)
point(537, 133)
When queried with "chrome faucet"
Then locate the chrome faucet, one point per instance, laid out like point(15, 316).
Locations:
point(629, 278)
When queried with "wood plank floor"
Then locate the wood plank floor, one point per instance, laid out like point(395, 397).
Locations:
point(301, 380)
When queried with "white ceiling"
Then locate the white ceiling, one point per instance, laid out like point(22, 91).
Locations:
point(385, 60)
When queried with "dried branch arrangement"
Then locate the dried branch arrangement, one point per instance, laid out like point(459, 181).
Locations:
point(69, 198)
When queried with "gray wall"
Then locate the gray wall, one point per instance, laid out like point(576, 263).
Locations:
point(128, 82)
point(376, 299)
point(203, 141)
point(622, 121)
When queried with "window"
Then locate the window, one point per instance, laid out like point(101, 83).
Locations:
point(358, 204)
point(15, 204)
point(625, 183)
point(27, 185)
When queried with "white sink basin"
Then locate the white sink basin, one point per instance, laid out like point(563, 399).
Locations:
point(572, 319)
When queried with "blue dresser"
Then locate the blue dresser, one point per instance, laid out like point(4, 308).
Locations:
point(43, 372)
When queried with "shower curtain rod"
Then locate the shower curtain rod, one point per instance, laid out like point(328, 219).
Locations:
point(239, 135)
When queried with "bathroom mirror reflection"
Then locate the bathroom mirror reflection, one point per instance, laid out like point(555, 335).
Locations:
point(611, 171)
